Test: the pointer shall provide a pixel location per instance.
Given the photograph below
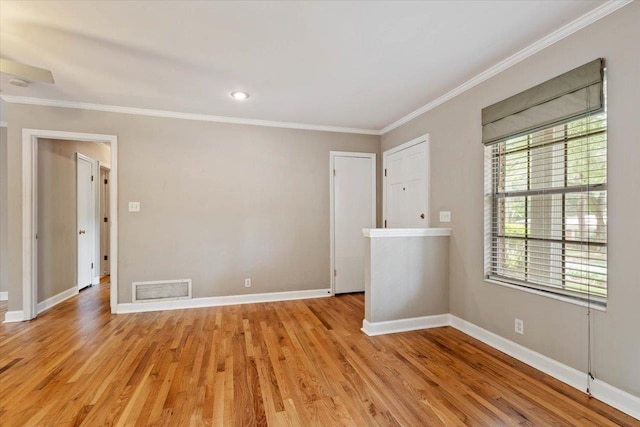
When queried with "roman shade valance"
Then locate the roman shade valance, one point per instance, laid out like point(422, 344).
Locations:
point(571, 95)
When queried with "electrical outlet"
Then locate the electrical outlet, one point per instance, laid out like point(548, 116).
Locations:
point(519, 326)
point(247, 283)
point(445, 216)
point(134, 206)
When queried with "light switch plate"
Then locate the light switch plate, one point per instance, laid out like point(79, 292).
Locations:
point(445, 216)
point(134, 206)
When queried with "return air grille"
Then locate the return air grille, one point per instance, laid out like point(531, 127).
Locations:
point(164, 290)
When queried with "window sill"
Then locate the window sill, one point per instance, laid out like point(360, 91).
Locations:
point(594, 305)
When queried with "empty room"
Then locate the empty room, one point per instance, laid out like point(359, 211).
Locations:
point(331, 213)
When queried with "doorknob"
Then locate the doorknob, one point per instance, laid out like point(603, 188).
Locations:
point(422, 216)
point(81, 232)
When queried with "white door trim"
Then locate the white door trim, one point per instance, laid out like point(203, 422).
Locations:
point(424, 138)
point(106, 167)
point(332, 156)
point(29, 219)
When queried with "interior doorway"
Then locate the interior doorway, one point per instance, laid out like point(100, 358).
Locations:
point(353, 207)
point(406, 185)
point(67, 209)
point(51, 248)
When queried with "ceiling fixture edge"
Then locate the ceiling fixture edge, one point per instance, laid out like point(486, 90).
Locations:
point(184, 116)
point(552, 38)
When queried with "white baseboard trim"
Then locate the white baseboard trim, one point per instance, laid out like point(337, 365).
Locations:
point(140, 307)
point(96, 280)
point(14, 316)
point(607, 393)
point(619, 399)
point(4, 296)
point(404, 325)
point(600, 390)
point(56, 299)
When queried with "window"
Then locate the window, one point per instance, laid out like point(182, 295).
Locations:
point(546, 206)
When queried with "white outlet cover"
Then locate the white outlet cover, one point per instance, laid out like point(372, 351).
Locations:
point(519, 326)
point(445, 216)
point(134, 206)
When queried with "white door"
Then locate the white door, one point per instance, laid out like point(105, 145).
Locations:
point(406, 184)
point(105, 221)
point(86, 217)
point(354, 208)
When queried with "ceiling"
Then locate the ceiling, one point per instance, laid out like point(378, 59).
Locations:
point(349, 64)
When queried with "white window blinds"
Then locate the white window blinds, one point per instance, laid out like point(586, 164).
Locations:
point(546, 205)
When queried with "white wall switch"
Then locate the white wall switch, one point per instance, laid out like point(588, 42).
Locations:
point(134, 206)
point(445, 216)
point(520, 326)
point(247, 283)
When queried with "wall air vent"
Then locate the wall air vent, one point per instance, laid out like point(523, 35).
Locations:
point(163, 290)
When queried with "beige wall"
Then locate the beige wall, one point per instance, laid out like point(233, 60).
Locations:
point(553, 328)
point(3, 210)
point(57, 208)
point(219, 202)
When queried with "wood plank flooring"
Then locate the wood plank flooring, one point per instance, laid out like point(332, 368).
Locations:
point(296, 363)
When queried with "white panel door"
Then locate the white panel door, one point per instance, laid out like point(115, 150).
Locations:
point(406, 187)
point(415, 178)
point(86, 217)
point(395, 192)
point(354, 209)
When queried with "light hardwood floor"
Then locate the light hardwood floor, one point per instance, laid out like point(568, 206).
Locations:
point(298, 363)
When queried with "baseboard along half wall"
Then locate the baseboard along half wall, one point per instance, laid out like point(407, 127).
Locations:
point(601, 390)
point(219, 301)
point(404, 325)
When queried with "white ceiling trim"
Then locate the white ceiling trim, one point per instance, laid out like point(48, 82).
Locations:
point(177, 115)
point(572, 27)
point(554, 37)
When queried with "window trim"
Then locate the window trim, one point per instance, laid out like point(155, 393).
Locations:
point(596, 305)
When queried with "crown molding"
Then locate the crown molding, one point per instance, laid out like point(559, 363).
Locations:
point(184, 116)
point(554, 37)
point(550, 39)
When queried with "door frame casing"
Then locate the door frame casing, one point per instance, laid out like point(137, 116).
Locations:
point(106, 167)
point(95, 168)
point(29, 211)
point(332, 156)
point(427, 148)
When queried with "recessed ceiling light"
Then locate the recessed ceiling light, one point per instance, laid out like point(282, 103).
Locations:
point(240, 96)
point(19, 82)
